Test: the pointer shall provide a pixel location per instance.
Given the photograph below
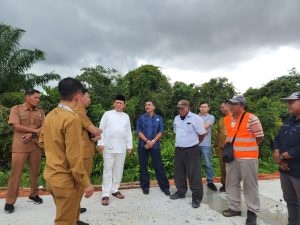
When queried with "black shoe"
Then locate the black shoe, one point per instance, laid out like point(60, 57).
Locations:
point(9, 208)
point(82, 210)
point(146, 191)
point(167, 192)
point(176, 195)
point(222, 189)
point(36, 199)
point(212, 186)
point(230, 213)
point(251, 218)
point(81, 223)
point(196, 203)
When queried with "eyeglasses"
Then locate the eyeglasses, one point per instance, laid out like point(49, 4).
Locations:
point(179, 108)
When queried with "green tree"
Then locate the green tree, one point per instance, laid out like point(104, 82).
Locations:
point(214, 92)
point(14, 62)
point(146, 83)
point(103, 83)
point(181, 90)
point(277, 88)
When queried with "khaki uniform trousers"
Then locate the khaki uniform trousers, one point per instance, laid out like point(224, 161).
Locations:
point(219, 152)
point(88, 165)
point(67, 203)
point(18, 162)
point(242, 170)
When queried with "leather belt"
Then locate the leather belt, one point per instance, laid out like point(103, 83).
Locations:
point(183, 148)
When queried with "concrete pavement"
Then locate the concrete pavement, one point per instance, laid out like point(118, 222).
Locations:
point(155, 208)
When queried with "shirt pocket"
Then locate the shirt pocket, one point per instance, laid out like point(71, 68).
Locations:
point(23, 119)
point(190, 127)
point(37, 121)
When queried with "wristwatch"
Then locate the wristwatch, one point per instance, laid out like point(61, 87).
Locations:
point(281, 157)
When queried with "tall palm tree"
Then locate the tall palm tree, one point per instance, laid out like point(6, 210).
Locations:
point(14, 62)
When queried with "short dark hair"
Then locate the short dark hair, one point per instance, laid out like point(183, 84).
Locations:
point(225, 101)
point(153, 103)
point(31, 92)
point(68, 87)
point(203, 102)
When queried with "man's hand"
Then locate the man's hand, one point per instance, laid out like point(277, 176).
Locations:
point(284, 166)
point(286, 155)
point(97, 138)
point(101, 149)
point(37, 131)
point(99, 131)
point(276, 156)
point(88, 192)
point(150, 144)
point(27, 137)
point(129, 151)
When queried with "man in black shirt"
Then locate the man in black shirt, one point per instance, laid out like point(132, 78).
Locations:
point(287, 156)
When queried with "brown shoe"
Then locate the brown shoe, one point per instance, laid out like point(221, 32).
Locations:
point(105, 201)
point(118, 195)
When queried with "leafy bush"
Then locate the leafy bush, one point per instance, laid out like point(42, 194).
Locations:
point(9, 99)
point(5, 138)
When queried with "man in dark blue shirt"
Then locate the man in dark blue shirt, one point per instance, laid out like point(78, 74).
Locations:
point(150, 129)
point(287, 156)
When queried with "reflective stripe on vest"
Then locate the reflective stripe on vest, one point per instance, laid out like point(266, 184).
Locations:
point(245, 145)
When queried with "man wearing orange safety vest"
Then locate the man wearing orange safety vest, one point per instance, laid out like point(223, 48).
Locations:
point(248, 133)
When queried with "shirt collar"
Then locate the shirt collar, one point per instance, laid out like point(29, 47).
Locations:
point(27, 107)
point(189, 114)
point(147, 114)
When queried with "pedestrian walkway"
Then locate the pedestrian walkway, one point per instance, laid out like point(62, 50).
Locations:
point(155, 208)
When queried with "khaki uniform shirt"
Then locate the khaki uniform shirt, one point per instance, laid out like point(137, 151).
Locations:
point(61, 138)
point(221, 135)
point(87, 143)
point(28, 117)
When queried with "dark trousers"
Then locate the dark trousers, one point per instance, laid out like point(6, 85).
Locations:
point(157, 165)
point(187, 164)
point(291, 194)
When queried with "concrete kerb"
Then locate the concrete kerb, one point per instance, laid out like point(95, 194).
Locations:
point(153, 183)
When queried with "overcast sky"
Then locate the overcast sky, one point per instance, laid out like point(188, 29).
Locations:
point(249, 42)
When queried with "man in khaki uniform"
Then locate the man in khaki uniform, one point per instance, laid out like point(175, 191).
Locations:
point(90, 134)
point(220, 141)
point(26, 120)
point(64, 172)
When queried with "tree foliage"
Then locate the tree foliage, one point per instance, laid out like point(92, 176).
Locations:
point(14, 62)
point(103, 83)
point(275, 89)
point(147, 83)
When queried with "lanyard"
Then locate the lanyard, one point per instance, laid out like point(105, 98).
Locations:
point(62, 106)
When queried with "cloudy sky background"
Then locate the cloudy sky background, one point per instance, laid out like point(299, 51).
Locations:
point(249, 42)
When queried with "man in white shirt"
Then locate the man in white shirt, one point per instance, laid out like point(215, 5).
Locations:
point(116, 139)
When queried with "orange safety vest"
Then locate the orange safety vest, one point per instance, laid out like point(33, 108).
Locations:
point(245, 145)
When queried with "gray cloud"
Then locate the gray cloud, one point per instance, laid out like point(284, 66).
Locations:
point(185, 34)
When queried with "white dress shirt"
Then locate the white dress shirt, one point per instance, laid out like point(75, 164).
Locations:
point(117, 135)
point(188, 130)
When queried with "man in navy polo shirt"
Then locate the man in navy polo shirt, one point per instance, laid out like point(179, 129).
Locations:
point(287, 156)
point(150, 129)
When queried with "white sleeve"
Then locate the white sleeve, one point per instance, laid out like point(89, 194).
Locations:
point(102, 126)
point(199, 125)
point(129, 134)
